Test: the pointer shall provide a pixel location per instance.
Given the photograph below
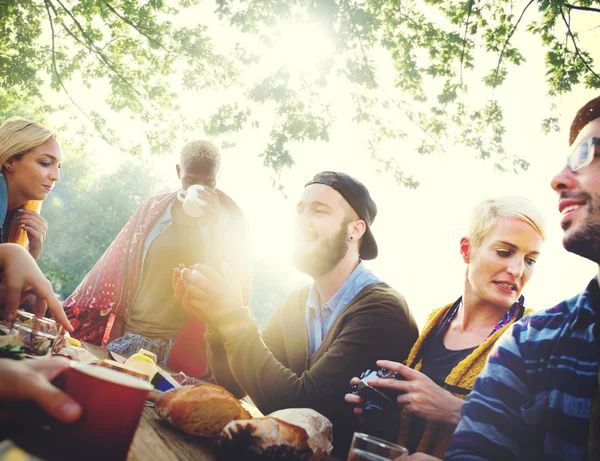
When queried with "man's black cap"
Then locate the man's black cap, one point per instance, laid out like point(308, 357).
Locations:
point(357, 195)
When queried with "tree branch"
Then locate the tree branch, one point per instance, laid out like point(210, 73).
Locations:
point(582, 8)
point(462, 54)
point(62, 85)
point(506, 44)
point(585, 63)
point(157, 42)
point(392, 100)
point(92, 46)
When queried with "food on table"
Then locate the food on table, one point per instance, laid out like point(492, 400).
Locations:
point(147, 354)
point(113, 365)
point(12, 352)
point(291, 434)
point(74, 342)
point(202, 410)
point(141, 364)
point(35, 342)
point(13, 339)
point(251, 409)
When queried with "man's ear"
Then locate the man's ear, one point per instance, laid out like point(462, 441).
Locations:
point(465, 249)
point(357, 230)
point(178, 171)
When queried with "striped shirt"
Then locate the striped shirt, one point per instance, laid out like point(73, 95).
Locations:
point(533, 399)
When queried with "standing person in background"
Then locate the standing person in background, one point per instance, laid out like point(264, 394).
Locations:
point(500, 250)
point(324, 333)
point(127, 302)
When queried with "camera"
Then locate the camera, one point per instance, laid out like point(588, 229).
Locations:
point(380, 404)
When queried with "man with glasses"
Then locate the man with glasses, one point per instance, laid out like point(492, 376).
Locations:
point(537, 399)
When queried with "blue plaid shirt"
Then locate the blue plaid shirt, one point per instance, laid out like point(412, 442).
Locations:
point(533, 399)
point(320, 318)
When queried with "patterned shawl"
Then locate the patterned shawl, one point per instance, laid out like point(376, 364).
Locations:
point(101, 301)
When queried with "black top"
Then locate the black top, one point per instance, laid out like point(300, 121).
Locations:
point(438, 362)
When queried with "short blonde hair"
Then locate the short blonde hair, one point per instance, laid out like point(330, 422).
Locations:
point(17, 137)
point(203, 151)
point(486, 215)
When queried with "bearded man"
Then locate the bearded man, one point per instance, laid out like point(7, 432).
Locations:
point(323, 334)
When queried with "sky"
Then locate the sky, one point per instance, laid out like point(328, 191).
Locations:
point(417, 231)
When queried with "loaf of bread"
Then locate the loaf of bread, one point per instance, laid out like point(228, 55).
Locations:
point(295, 434)
point(202, 410)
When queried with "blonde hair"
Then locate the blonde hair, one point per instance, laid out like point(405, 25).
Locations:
point(486, 215)
point(17, 137)
point(203, 151)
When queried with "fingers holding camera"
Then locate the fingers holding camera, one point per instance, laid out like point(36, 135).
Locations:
point(420, 395)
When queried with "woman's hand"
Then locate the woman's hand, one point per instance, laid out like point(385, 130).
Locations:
point(31, 380)
point(21, 277)
point(36, 227)
point(420, 395)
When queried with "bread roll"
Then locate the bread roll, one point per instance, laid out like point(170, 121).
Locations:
point(202, 410)
point(293, 434)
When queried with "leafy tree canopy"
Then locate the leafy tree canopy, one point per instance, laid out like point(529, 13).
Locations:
point(146, 58)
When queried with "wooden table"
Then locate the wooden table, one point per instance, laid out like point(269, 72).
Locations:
point(155, 439)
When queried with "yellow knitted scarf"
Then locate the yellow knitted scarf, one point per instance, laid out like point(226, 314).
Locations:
point(437, 436)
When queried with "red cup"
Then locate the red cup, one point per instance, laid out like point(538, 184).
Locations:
point(112, 405)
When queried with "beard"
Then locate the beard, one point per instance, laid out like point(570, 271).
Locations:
point(585, 240)
point(325, 257)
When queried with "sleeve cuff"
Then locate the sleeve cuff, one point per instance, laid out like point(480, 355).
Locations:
point(234, 323)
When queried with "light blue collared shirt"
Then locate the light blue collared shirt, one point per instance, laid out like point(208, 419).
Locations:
point(320, 318)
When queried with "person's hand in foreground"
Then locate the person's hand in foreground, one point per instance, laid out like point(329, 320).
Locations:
point(22, 276)
point(30, 380)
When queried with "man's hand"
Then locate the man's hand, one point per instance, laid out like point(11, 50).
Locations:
point(31, 380)
point(206, 293)
point(420, 395)
point(36, 227)
point(23, 276)
point(213, 207)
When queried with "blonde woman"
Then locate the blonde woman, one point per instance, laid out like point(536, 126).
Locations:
point(500, 250)
point(30, 160)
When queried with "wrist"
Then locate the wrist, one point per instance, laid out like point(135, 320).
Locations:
point(455, 415)
point(234, 322)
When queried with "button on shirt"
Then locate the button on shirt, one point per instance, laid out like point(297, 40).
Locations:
point(320, 318)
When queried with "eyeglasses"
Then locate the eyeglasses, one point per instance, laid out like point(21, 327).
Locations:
point(583, 154)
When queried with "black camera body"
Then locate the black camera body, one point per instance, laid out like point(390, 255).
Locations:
point(380, 404)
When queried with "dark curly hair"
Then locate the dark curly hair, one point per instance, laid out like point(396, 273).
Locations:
point(589, 112)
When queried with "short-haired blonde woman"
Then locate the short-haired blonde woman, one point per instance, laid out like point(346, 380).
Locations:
point(30, 159)
point(500, 250)
point(126, 302)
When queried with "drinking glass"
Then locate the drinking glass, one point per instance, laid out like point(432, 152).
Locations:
point(368, 448)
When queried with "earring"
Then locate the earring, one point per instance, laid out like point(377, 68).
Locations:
point(351, 238)
point(8, 167)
